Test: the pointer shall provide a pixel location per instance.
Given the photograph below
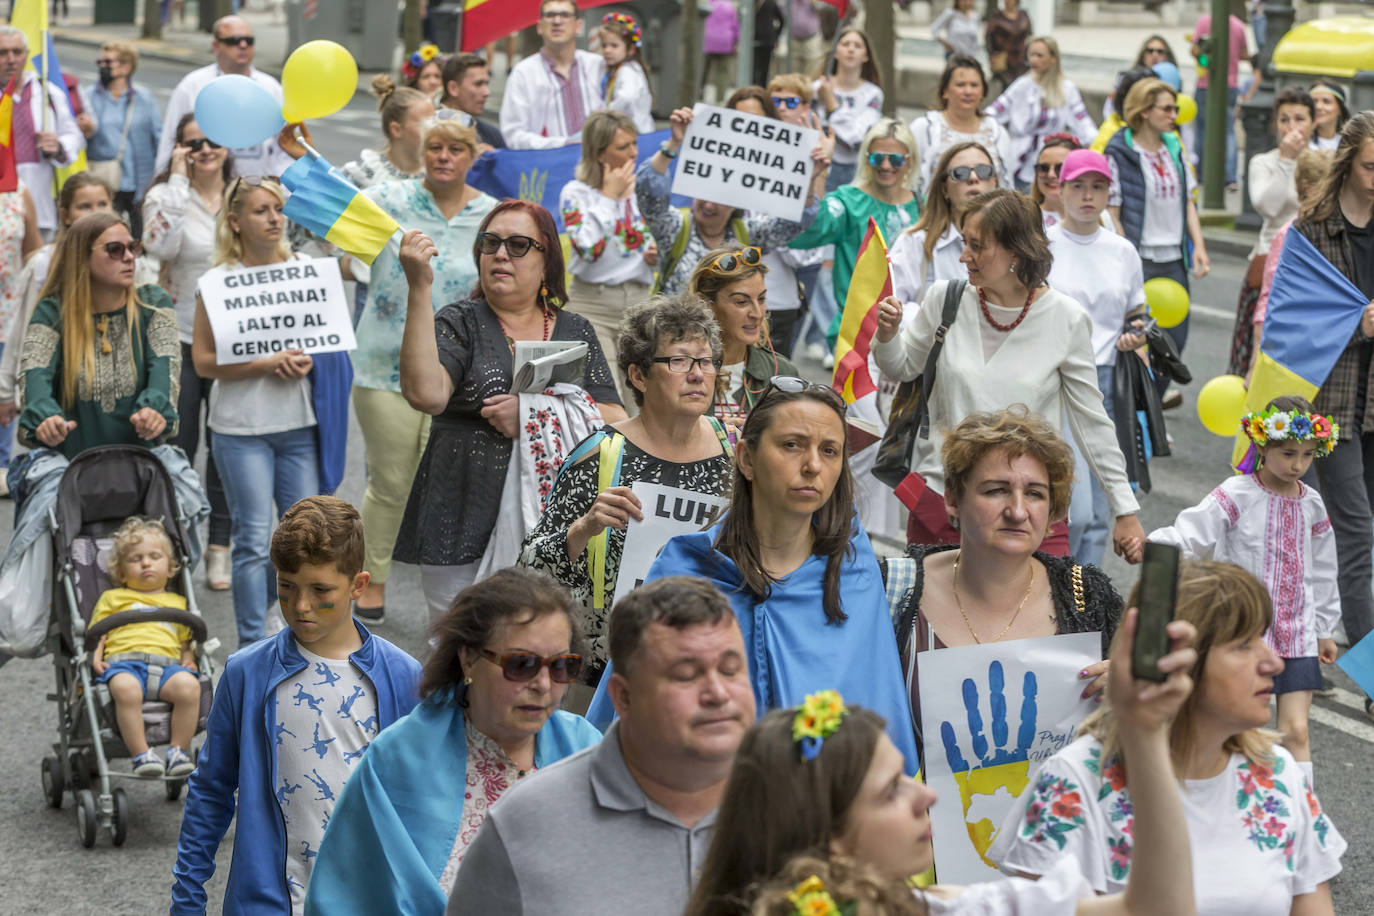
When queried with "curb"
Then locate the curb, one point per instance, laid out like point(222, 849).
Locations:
point(151, 48)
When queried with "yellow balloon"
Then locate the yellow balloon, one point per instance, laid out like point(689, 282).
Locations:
point(1168, 301)
point(1221, 404)
point(1187, 109)
point(319, 78)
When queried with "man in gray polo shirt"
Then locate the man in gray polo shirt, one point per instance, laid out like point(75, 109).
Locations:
point(623, 827)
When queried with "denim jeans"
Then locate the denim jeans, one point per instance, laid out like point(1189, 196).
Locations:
point(823, 311)
point(7, 432)
point(1090, 515)
point(1232, 99)
point(257, 470)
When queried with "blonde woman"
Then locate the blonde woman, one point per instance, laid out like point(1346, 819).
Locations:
point(403, 111)
point(1039, 103)
point(100, 362)
point(262, 413)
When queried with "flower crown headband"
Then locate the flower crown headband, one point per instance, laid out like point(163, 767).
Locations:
point(1271, 425)
point(818, 717)
point(416, 62)
point(810, 898)
point(631, 27)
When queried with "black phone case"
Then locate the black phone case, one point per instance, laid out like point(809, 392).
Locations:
point(1157, 594)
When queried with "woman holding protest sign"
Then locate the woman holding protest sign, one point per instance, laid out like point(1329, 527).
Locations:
point(179, 212)
point(669, 353)
point(100, 360)
point(458, 366)
point(445, 208)
point(262, 412)
point(684, 236)
point(1008, 477)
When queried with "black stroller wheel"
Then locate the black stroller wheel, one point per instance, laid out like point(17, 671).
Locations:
point(52, 781)
point(86, 820)
point(119, 817)
point(173, 788)
point(81, 774)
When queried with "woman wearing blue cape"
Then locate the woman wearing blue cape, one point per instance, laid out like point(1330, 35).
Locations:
point(796, 565)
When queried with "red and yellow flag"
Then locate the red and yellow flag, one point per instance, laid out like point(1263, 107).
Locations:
point(870, 284)
point(9, 179)
point(484, 21)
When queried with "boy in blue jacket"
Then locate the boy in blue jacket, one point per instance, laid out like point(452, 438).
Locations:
point(292, 714)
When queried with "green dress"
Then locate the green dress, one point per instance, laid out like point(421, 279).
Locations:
point(132, 375)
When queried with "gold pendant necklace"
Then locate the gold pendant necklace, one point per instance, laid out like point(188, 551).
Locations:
point(1030, 582)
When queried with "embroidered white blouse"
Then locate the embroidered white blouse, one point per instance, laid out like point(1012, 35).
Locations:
point(1023, 112)
point(607, 237)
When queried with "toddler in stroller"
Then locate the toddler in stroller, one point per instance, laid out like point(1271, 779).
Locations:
point(152, 660)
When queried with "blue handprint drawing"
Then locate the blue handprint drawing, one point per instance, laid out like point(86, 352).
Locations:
point(997, 767)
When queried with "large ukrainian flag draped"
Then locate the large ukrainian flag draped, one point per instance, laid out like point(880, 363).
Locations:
point(485, 21)
point(329, 205)
point(870, 284)
point(1313, 312)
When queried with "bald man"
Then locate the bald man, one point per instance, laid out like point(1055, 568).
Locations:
point(232, 44)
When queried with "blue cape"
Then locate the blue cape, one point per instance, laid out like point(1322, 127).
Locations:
point(792, 650)
point(392, 831)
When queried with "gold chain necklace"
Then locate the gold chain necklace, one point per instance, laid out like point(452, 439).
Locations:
point(1030, 583)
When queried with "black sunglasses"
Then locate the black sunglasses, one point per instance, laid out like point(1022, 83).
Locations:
point(517, 246)
point(751, 256)
point(1046, 168)
point(787, 101)
point(117, 250)
point(236, 41)
point(522, 666)
point(963, 172)
point(200, 143)
point(791, 384)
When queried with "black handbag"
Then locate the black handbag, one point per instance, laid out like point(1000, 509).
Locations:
point(909, 418)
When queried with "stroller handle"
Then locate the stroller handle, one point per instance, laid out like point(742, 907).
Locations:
point(194, 622)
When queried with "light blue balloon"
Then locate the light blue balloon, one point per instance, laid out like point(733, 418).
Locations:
point(1169, 73)
point(234, 111)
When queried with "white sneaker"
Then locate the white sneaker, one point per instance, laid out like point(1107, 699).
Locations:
point(815, 351)
point(218, 569)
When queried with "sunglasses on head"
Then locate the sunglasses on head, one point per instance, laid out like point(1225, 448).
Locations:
point(964, 172)
point(517, 246)
point(252, 181)
point(520, 666)
point(117, 250)
point(1047, 168)
point(200, 143)
point(896, 160)
point(236, 41)
point(734, 260)
point(791, 384)
point(787, 101)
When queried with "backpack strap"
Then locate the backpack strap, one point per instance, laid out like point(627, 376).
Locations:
point(611, 452)
point(953, 293)
point(741, 230)
point(675, 250)
point(726, 437)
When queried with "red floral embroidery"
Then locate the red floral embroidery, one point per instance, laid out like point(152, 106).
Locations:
point(1067, 805)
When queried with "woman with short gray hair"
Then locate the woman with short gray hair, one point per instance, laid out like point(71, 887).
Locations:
point(670, 353)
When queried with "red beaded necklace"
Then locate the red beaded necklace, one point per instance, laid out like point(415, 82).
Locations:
point(1025, 309)
point(510, 341)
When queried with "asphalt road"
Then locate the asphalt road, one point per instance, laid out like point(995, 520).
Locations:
point(46, 870)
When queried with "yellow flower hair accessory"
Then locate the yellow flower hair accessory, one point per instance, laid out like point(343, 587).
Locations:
point(810, 898)
point(817, 718)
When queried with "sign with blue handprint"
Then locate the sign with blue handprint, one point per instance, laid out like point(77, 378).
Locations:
point(998, 709)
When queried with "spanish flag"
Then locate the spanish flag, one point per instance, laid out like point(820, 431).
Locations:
point(870, 284)
point(1312, 315)
point(484, 21)
point(329, 205)
point(9, 178)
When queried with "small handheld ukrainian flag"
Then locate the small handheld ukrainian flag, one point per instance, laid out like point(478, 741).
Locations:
point(329, 205)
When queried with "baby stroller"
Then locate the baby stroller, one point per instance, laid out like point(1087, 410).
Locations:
point(99, 490)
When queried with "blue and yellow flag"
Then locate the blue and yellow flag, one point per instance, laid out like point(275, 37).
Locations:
point(329, 205)
point(1313, 312)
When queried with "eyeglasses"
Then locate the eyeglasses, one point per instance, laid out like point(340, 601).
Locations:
point(117, 250)
point(963, 172)
point(732, 261)
point(555, 15)
point(708, 365)
point(896, 160)
point(1048, 168)
point(791, 384)
point(199, 143)
point(1167, 109)
point(517, 246)
point(787, 101)
point(525, 666)
point(236, 41)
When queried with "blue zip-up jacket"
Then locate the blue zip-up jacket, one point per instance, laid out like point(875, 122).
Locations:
point(239, 755)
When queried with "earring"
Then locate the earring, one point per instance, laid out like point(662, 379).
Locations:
point(467, 680)
point(954, 522)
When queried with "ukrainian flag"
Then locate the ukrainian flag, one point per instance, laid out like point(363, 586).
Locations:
point(870, 284)
point(1312, 314)
point(329, 205)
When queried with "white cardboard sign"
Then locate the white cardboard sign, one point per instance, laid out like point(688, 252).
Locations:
point(990, 714)
point(668, 512)
point(746, 161)
point(295, 305)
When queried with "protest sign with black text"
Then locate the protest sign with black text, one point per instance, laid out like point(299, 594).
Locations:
point(258, 311)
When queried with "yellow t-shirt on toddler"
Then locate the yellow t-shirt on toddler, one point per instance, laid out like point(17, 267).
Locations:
point(156, 637)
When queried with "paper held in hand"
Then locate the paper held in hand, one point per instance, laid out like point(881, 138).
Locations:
point(668, 512)
point(746, 161)
point(258, 311)
point(541, 363)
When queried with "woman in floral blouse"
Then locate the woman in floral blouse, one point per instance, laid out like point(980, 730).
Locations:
point(1260, 841)
point(613, 255)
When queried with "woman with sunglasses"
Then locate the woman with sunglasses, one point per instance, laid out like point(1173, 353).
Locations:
point(100, 358)
point(488, 717)
point(1040, 103)
point(457, 366)
point(1048, 162)
point(669, 355)
point(957, 117)
point(796, 565)
point(179, 213)
point(262, 415)
point(1013, 339)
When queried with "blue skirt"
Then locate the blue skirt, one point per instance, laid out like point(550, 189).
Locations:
point(1299, 674)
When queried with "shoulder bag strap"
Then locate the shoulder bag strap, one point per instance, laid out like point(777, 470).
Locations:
point(612, 450)
point(675, 251)
point(1079, 605)
point(953, 293)
point(727, 441)
point(128, 119)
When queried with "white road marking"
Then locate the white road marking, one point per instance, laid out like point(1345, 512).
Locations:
point(1353, 727)
point(1348, 698)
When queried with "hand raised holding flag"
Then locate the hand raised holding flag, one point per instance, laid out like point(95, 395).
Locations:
point(889, 318)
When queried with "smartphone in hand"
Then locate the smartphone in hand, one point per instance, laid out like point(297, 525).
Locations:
point(1156, 595)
